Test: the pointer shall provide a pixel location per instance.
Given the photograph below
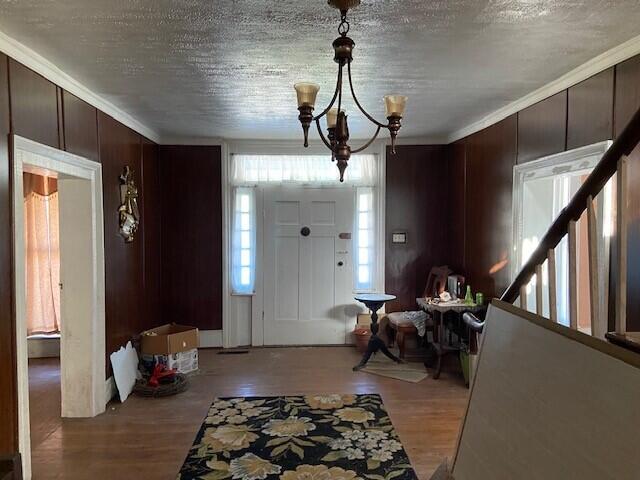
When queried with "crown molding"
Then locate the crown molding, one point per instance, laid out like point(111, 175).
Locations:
point(48, 70)
point(42, 66)
point(594, 66)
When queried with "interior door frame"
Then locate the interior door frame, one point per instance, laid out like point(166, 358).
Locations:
point(232, 303)
point(49, 159)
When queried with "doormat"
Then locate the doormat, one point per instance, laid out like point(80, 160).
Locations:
point(408, 372)
point(341, 437)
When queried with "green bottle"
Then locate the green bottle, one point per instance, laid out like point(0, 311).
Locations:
point(468, 299)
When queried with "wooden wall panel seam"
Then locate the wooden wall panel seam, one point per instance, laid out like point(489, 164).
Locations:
point(59, 103)
point(566, 121)
point(8, 439)
point(613, 103)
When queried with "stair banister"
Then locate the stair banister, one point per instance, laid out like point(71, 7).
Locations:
point(595, 182)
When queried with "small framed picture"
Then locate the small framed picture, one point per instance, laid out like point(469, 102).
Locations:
point(399, 237)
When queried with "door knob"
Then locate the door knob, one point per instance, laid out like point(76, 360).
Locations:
point(341, 263)
point(304, 231)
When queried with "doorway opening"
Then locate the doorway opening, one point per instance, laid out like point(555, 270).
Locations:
point(59, 290)
point(42, 266)
point(300, 244)
point(542, 188)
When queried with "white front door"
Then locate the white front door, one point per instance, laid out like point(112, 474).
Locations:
point(307, 265)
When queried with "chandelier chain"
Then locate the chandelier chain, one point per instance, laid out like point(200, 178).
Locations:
point(343, 28)
point(337, 138)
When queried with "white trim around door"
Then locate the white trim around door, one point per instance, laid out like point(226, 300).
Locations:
point(84, 391)
point(239, 309)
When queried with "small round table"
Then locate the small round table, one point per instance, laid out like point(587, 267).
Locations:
point(374, 302)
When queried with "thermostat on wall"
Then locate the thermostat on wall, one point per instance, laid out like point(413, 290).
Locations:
point(399, 237)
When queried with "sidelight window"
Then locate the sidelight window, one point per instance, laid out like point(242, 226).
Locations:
point(364, 241)
point(243, 242)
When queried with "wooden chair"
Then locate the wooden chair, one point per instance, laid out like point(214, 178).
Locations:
point(399, 326)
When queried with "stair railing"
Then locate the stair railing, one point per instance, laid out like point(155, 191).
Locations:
point(613, 161)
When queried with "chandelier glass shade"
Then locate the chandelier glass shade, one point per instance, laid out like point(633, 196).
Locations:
point(337, 137)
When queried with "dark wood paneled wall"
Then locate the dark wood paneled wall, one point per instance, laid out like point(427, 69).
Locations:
point(192, 235)
point(416, 193)
point(592, 111)
point(8, 385)
point(120, 146)
point(542, 128)
point(80, 122)
point(152, 222)
point(627, 101)
point(33, 107)
point(490, 158)
point(455, 206)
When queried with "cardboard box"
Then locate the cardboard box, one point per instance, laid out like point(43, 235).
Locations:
point(169, 339)
point(182, 362)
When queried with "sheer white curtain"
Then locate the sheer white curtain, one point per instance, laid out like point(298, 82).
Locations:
point(249, 171)
point(42, 259)
point(301, 170)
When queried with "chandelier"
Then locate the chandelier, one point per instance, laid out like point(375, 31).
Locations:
point(337, 137)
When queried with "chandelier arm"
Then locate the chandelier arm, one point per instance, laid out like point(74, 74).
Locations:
point(355, 99)
point(324, 139)
point(364, 147)
point(340, 91)
point(335, 95)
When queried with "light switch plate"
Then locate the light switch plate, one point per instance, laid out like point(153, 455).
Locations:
point(399, 237)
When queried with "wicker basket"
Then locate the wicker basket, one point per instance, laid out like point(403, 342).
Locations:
point(179, 385)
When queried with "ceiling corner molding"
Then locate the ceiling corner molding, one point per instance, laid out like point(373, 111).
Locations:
point(48, 70)
point(594, 66)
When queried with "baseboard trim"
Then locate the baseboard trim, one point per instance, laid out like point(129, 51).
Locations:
point(210, 338)
point(43, 346)
point(110, 389)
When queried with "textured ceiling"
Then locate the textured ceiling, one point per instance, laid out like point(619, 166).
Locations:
point(203, 68)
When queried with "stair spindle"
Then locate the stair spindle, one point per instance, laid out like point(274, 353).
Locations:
point(594, 269)
point(553, 304)
point(573, 276)
point(539, 306)
point(621, 234)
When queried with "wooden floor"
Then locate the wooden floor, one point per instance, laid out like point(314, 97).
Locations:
point(44, 398)
point(149, 438)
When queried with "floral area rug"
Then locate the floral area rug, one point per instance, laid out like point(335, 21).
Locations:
point(315, 437)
